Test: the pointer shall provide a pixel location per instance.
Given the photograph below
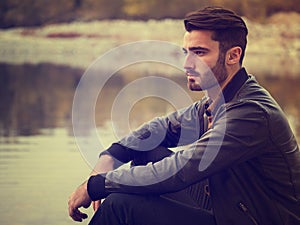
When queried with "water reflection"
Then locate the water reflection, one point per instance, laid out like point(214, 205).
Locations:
point(35, 97)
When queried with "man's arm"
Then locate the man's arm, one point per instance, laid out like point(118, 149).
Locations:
point(180, 127)
point(104, 165)
point(237, 136)
point(177, 129)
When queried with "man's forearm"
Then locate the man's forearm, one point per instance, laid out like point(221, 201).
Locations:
point(104, 164)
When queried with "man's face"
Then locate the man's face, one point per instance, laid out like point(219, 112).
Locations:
point(204, 64)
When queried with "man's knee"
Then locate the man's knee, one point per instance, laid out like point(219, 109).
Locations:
point(115, 201)
point(111, 211)
point(111, 199)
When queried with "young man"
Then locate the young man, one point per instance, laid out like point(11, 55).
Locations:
point(242, 165)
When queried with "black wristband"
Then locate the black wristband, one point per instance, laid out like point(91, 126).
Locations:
point(119, 152)
point(96, 187)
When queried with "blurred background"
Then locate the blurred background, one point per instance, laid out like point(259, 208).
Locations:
point(47, 45)
point(37, 13)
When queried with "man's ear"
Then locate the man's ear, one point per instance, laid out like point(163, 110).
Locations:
point(233, 55)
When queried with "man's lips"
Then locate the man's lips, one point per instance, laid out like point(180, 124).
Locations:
point(191, 78)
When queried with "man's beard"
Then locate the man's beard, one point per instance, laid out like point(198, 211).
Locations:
point(214, 76)
point(219, 69)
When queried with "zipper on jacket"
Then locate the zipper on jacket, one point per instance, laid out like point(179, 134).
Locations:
point(247, 212)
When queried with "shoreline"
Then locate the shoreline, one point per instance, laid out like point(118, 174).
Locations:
point(78, 44)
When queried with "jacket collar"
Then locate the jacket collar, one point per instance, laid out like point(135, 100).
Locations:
point(234, 85)
point(229, 91)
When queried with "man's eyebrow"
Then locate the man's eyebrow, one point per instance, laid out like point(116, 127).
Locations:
point(198, 48)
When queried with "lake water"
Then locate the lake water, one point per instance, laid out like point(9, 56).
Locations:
point(40, 161)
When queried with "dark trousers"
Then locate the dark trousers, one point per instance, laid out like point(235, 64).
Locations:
point(187, 207)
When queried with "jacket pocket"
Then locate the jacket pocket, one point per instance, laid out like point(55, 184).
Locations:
point(245, 210)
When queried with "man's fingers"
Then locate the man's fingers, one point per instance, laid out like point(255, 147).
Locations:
point(87, 204)
point(74, 212)
point(96, 205)
point(76, 215)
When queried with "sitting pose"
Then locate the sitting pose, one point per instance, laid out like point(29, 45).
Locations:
point(239, 163)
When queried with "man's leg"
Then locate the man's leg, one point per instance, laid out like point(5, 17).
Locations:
point(127, 209)
point(184, 207)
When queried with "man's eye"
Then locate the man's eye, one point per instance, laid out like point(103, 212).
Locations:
point(200, 53)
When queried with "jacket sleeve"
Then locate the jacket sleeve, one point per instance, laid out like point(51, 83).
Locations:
point(239, 133)
point(179, 128)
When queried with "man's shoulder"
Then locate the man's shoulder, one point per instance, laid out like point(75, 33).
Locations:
point(254, 99)
point(253, 92)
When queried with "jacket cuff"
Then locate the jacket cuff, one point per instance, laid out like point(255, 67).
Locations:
point(119, 152)
point(96, 187)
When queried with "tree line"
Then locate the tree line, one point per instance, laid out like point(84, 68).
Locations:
point(39, 12)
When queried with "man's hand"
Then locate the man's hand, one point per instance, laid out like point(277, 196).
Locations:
point(79, 198)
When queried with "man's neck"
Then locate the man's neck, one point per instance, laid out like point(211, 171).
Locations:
point(214, 92)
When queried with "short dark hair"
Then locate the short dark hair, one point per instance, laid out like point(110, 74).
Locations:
point(228, 28)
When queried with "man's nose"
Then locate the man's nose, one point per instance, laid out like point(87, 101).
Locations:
point(189, 63)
